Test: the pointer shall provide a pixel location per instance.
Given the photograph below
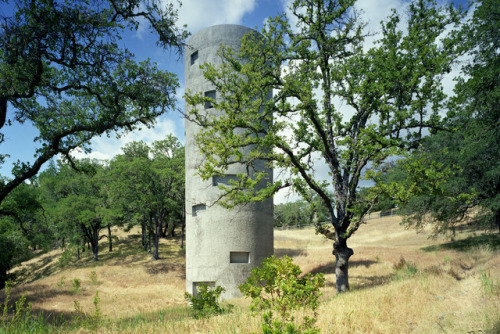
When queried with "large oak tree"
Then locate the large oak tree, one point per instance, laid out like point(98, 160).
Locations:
point(64, 70)
point(389, 93)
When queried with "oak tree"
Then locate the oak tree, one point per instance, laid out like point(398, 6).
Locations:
point(334, 102)
point(64, 70)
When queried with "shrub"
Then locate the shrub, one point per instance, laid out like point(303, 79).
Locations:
point(277, 288)
point(65, 258)
point(93, 278)
point(20, 316)
point(91, 321)
point(206, 303)
point(76, 285)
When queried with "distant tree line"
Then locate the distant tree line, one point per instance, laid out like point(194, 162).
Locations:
point(74, 205)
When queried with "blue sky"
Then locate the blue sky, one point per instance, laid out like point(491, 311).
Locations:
point(197, 14)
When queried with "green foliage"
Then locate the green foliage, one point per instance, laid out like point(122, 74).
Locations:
point(457, 172)
point(97, 88)
point(61, 282)
point(490, 286)
point(277, 289)
point(206, 303)
point(299, 213)
point(93, 321)
point(147, 186)
point(65, 258)
point(15, 318)
point(76, 284)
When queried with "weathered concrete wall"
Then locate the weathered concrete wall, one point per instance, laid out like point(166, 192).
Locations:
point(222, 245)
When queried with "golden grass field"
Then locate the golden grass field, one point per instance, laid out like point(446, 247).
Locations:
point(455, 290)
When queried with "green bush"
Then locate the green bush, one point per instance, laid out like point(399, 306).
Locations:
point(277, 289)
point(76, 283)
point(92, 321)
point(15, 319)
point(206, 303)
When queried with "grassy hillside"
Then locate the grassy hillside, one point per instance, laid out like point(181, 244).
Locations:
point(401, 282)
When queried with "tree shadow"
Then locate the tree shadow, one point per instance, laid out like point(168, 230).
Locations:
point(329, 268)
point(362, 282)
point(165, 268)
point(491, 241)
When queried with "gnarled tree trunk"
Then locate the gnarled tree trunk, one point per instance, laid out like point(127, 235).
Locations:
point(342, 254)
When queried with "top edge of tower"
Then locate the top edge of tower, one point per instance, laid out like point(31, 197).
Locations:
point(217, 34)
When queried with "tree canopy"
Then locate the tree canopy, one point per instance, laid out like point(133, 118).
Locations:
point(462, 165)
point(391, 93)
point(63, 69)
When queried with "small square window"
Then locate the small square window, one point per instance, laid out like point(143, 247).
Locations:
point(239, 257)
point(194, 57)
point(197, 208)
point(211, 94)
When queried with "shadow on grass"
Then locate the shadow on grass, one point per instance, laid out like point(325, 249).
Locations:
point(359, 282)
point(491, 241)
point(156, 268)
point(330, 267)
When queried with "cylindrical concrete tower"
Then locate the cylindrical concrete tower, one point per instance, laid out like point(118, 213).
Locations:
point(222, 245)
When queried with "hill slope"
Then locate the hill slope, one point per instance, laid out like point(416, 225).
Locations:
point(447, 290)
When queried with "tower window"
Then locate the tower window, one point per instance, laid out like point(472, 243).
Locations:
point(239, 257)
point(223, 179)
point(194, 57)
point(211, 94)
point(197, 208)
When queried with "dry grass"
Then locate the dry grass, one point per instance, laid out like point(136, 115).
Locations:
point(139, 295)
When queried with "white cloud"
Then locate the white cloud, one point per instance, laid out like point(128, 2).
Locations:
point(198, 14)
point(104, 148)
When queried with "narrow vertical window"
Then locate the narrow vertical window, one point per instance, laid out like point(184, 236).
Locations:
point(194, 57)
point(211, 94)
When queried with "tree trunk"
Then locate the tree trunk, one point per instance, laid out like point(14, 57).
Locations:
point(109, 239)
point(342, 254)
point(95, 244)
point(3, 275)
point(172, 230)
point(497, 219)
point(149, 243)
point(144, 236)
point(183, 227)
point(156, 238)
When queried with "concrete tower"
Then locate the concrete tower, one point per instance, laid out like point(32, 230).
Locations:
point(222, 245)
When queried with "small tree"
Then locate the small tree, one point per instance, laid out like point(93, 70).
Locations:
point(277, 288)
point(206, 303)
